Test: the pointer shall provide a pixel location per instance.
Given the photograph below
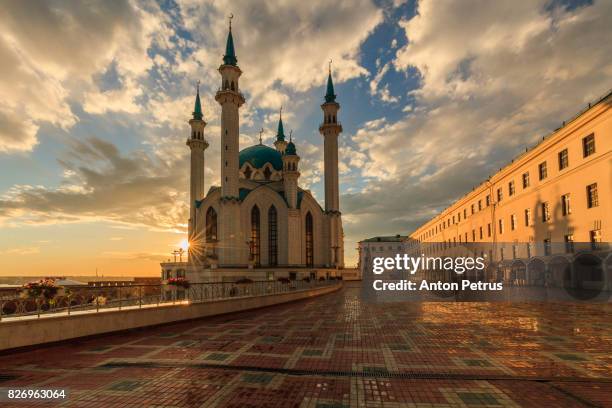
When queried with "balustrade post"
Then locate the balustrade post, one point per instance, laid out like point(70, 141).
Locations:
point(140, 297)
point(69, 304)
point(119, 297)
point(1, 309)
point(38, 307)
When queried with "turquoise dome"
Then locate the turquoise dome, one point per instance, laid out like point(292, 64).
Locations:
point(258, 155)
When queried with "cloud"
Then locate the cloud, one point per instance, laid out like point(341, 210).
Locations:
point(16, 133)
point(21, 251)
point(50, 53)
point(135, 256)
point(494, 77)
point(382, 92)
point(136, 189)
point(285, 43)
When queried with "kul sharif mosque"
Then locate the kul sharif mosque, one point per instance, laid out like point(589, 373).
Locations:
point(259, 224)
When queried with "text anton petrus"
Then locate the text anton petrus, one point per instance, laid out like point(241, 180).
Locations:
point(465, 284)
point(458, 265)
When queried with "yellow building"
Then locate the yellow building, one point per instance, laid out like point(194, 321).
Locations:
point(553, 199)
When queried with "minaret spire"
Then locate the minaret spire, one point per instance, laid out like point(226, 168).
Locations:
point(230, 55)
point(330, 96)
point(197, 110)
point(280, 134)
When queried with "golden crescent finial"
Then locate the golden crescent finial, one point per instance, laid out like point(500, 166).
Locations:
point(230, 20)
point(330, 62)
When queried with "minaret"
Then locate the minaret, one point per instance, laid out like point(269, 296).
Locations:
point(197, 144)
point(280, 142)
point(295, 249)
point(230, 99)
point(330, 129)
point(291, 174)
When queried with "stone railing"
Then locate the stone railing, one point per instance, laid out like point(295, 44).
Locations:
point(100, 298)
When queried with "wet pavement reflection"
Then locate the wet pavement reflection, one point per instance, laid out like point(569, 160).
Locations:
point(339, 351)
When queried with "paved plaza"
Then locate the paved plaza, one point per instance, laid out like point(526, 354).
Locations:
point(338, 351)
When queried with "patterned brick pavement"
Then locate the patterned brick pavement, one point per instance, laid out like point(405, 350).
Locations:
point(336, 351)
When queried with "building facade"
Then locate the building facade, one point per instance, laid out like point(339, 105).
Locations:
point(382, 247)
point(259, 223)
point(553, 202)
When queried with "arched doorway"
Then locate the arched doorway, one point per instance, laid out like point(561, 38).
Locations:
point(536, 272)
point(309, 237)
point(255, 236)
point(211, 225)
point(272, 236)
point(518, 273)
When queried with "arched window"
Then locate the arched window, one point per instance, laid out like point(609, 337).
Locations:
point(226, 86)
point(247, 172)
point(267, 173)
point(255, 236)
point(233, 88)
point(211, 224)
point(272, 237)
point(309, 240)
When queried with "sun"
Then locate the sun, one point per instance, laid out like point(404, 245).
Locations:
point(184, 244)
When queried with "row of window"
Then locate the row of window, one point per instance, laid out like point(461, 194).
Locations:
point(382, 249)
point(588, 148)
point(594, 238)
point(566, 209)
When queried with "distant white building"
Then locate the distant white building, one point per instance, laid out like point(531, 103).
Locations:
point(384, 247)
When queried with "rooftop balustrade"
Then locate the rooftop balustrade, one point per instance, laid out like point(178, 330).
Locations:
point(93, 299)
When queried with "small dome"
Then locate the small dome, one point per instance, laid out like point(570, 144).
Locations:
point(258, 155)
point(290, 150)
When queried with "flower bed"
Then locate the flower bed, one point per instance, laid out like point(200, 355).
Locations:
point(45, 288)
point(179, 282)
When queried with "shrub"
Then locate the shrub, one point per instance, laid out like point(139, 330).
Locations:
point(45, 288)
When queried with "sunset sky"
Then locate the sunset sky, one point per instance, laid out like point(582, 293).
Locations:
point(435, 96)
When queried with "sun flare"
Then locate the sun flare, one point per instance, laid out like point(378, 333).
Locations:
point(184, 244)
